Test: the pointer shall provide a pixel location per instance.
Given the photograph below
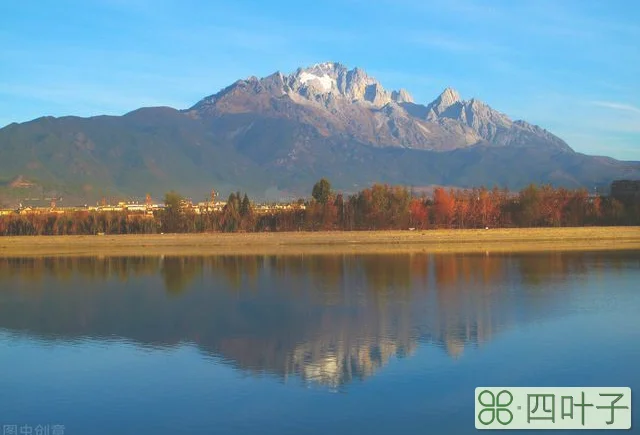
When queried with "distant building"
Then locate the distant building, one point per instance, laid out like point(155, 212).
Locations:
point(277, 207)
point(142, 208)
point(626, 190)
point(209, 207)
point(112, 208)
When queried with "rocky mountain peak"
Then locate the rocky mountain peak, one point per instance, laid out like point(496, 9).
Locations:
point(329, 68)
point(449, 96)
point(355, 85)
point(401, 96)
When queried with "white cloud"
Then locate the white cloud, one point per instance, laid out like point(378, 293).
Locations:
point(617, 106)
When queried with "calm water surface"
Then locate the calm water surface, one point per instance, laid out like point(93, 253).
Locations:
point(372, 344)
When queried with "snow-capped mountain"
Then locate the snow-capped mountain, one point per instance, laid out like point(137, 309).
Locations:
point(337, 100)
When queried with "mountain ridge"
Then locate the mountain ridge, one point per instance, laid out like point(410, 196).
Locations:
point(282, 132)
point(333, 93)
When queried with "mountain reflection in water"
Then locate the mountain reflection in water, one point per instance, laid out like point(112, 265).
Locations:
point(327, 319)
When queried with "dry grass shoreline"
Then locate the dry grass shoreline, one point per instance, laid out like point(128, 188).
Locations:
point(493, 240)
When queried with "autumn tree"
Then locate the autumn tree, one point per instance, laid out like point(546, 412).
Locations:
point(594, 210)
point(462, 208)
point(419, 214)
point(339, 205)
point(444, 207)
point(576, 208)
point(399, 200)
point(529, 202)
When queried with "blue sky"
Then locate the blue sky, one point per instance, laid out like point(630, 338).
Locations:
point(571, 66)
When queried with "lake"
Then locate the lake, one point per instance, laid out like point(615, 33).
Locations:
point(340, 344)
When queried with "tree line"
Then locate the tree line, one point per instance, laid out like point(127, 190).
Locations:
point(379, 207)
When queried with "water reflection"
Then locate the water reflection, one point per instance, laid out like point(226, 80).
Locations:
point(324, 319)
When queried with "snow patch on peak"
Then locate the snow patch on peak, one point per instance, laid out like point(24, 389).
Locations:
point(326, 82)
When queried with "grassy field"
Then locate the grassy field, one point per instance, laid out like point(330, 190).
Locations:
point(493, 240)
